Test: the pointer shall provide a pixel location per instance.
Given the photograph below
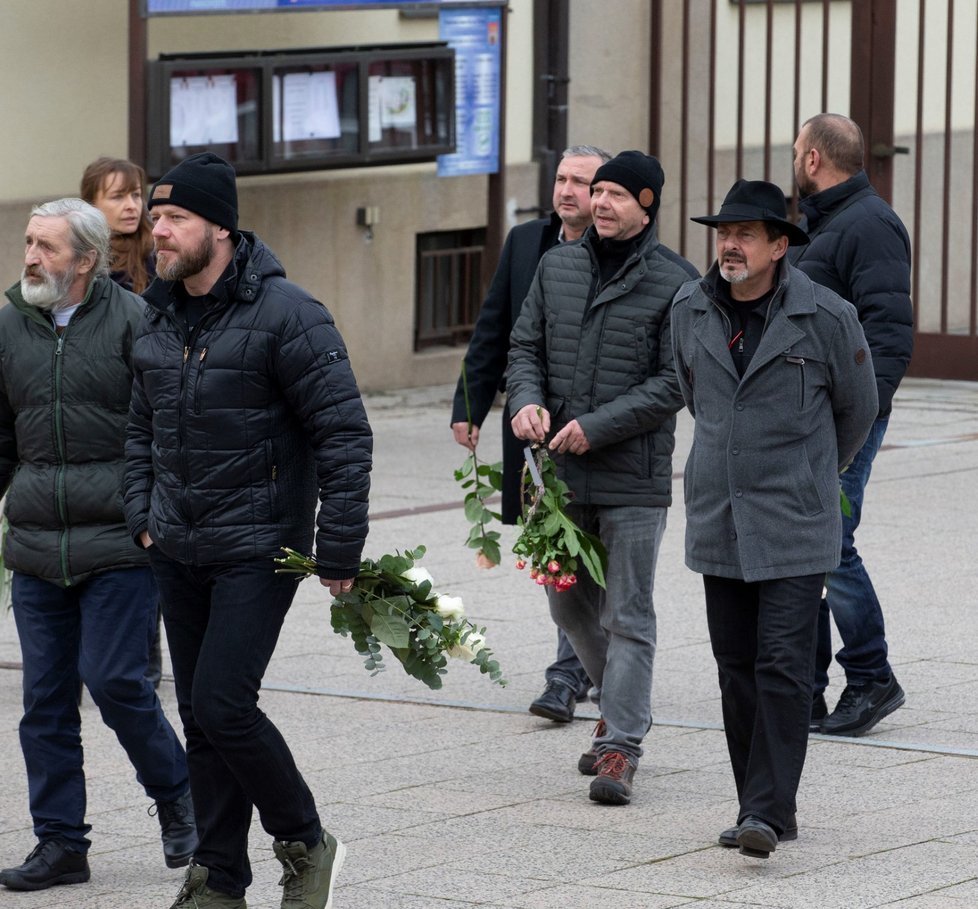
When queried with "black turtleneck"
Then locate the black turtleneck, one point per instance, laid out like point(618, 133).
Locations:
point(613, 254)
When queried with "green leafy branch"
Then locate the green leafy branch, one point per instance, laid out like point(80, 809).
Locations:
point(550, 541)
point(482, 481)
point(392, 603)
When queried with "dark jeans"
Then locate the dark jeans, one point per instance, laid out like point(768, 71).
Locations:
point(567, 668)
point(222, 625)
point(763, 639)
point(99, 633)
point(851, 597)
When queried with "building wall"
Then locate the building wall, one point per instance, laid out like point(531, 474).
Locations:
point(71, 106)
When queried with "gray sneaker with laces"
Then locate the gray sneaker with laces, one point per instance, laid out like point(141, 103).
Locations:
point(308, 874)
point(195, 894)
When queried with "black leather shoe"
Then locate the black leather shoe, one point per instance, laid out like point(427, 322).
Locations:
point(50, 863)
point(728, 838)
point(177, 830)
point(755, 838)
point(819, 711)
point(556, 703)
point(861, 707)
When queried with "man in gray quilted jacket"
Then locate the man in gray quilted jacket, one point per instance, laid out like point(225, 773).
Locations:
point(591, 376)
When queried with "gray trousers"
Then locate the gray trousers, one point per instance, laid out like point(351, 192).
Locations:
point(613, 630)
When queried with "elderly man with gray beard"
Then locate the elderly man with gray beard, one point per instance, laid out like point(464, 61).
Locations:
point(84, 598)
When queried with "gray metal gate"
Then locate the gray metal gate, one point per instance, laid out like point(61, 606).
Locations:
point(750, 72)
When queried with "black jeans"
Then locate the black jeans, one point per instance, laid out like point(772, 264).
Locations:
point(222, 625)
point(763, 636)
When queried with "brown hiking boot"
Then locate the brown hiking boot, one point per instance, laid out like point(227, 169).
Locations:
point(613, 783)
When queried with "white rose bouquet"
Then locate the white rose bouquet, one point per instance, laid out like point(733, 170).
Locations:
point(393, 603)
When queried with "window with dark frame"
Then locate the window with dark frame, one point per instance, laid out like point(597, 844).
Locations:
point(449, 286)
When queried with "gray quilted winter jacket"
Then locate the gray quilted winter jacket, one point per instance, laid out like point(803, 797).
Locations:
point(602, 355)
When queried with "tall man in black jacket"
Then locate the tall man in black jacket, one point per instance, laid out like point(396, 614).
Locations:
point(244, 408)
point(860, 249)
point(485, 364)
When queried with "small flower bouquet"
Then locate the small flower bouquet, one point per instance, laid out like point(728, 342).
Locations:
point(392, 603)
point(550, 542)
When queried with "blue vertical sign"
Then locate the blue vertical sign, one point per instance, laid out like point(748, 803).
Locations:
point(475, 35)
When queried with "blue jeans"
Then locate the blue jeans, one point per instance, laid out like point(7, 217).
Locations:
point(222, 625)
point(851, 597)
point(98, 633)
point(613, 630)
point(763, 639)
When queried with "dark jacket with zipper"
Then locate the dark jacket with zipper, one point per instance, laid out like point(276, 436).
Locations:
point(64, 402)
point(860, 249)
point(601, 354)
point(762, 478)
point(238, 426)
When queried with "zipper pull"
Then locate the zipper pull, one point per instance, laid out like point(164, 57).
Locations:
point(203, 354)
point(186, 354)
point(740, 344)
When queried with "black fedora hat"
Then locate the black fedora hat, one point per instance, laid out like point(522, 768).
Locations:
point(756, 200)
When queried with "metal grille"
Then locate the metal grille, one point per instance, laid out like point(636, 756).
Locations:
point(750, 72)
point(449, 288)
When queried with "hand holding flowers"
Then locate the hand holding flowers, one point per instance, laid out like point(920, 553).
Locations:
point(550, 541)
point(392, 602)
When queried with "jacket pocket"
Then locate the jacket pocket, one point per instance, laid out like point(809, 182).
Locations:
point(271, 480)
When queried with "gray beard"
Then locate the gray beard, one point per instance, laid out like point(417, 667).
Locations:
point(52, 295)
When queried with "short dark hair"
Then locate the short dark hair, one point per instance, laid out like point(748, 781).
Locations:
point(838, 139)
point(773, 231)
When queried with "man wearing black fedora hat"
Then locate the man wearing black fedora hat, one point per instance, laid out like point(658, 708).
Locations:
point(777, 374)
point(591, 374)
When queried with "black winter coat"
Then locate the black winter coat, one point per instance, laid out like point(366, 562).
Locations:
point(64, 402)
point(860, 249)
point(603, 356)
point(235, 427)
point(485, 360)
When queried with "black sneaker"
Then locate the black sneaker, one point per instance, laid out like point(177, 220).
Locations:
point(820, 711)
point(861, 707)
point(556, 703)
point(50, 863)
point(613, 783)
point(177, 830)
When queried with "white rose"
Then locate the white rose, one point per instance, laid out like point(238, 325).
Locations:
point(468, 649)
point(450, 608)
point(418, 575)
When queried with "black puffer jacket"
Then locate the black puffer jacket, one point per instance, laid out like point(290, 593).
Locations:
point(603, 356)
point(236, 426)
point(64, 402)
point(860, 249)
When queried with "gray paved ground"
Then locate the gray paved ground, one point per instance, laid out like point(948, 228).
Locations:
point(460, 798)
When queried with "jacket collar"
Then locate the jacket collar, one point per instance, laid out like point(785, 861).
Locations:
point(96, 290)
point(818, 205)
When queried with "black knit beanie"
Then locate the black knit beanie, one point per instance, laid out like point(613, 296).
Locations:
point(640, 174)
point(204, 184)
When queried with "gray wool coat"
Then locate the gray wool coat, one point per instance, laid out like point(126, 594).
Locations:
point(761, 484)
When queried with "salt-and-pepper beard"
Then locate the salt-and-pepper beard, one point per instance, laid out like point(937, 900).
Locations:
point(52, 294)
